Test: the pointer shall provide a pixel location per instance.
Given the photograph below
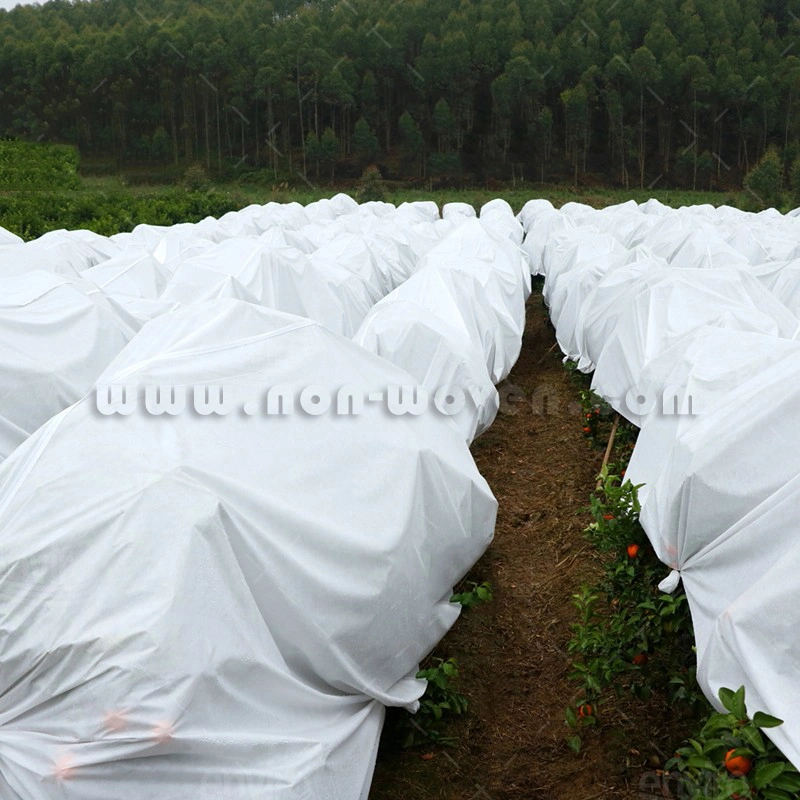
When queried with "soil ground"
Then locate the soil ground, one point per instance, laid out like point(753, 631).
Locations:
point(511, 652)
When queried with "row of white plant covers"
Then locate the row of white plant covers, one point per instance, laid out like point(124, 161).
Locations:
point(221, 606)
point(699, 303)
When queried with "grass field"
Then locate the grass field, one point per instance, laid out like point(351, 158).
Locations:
point(558, 194)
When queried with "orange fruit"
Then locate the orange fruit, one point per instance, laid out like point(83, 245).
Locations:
point(738, 766)
point(640, 660)
point(585, 711)
point(587, 430)
point(633, 550)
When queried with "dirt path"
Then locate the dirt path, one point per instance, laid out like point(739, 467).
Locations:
point(511, 652)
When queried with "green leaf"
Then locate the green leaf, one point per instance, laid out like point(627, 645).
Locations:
point(726, 698)
point(764, 774)
point(762, 720)
point(738, 707)
point(718, 722)
point(715, 749)
point(700, 762)
point(789, 783)
point(774, 794)
point(574, 743)
point(571, 717)
point(754, 738)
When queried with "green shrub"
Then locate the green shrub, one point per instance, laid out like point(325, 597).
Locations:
point(33, 165)
point(370, 187)
point(730, 758)
point(764, 181)
point(629, 635)
point(794, 179)
point(196, 179)
point(31, 214)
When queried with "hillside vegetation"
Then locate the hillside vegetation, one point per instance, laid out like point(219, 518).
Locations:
point(681, 93)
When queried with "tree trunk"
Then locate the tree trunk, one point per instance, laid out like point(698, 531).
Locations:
point(641, 136)
point(788, 119)
point(694, 133)
point(300, 111)
point(208, 135)
point(173, 125)
point(219, 136)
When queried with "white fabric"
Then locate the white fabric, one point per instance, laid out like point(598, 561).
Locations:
point(503, 280)
point(54, 255)
point(56, 336)
point(7, 237)
point(533, 209)
point(220, 607)
point(456, 210)
point(224, 606)
point(726, 508)
point(438, 328)
point(671, 304)
point(281, 278)
point(701, 306)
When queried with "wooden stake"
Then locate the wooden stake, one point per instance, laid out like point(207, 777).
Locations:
point(608, 450)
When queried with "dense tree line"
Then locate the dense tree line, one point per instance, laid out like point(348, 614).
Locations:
point(689, 92)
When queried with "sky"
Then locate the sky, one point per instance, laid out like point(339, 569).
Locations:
point(11, 3)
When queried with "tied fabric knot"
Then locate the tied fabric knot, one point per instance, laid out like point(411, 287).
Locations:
point(670, 583)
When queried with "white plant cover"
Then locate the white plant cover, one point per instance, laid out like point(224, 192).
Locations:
point(599, 312)
point(449, 324)
point(133, 281)
point(438, 327)
point(223, 611)
point(102, 246)
point(417, 211)
point(668, 305)
point(377, 208)
point(498, 217)
point(532, 210)
point(574, 286)
point(213, 608)
point(456, 210)
point(281, 278)
point(6, 237)
point(786, 287)
point(574, 248)
point(352, 252)
point(56, 336)
point(502, 275)
point(538, 233)
point(55, 255)
point(438, 357)
point(134, 273)
point(702, 367)
point(704, 306)
point(724, 510)
point(625, 223)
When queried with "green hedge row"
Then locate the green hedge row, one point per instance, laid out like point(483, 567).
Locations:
point(31, 214)
point(30, 165)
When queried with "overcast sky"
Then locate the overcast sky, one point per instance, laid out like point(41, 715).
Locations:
point(12, 3)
